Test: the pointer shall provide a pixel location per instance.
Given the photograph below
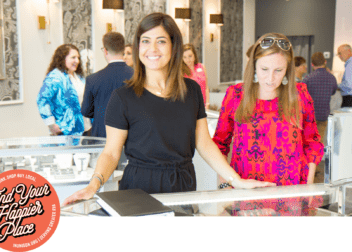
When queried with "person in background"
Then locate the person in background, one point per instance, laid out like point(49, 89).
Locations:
point(127, 55)
point(196, 71)
point(345, 54)
point(270, 119)
point(160, 119)
point(300, 68)
point(60, 97)
point(321, 86)
point(264, 119)
point(100, 85)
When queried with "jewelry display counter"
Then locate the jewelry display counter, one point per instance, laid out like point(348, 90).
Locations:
point(298, 200)
point(338, 152)
point(67, 162)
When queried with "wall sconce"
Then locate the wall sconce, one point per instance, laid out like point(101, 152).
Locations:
point(41, 22)
point(184, 13)
point(117, 6)
point(113, 4)
point(217, 19)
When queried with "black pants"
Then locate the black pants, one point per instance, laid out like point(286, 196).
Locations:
point(346, 101)
point(179, 177)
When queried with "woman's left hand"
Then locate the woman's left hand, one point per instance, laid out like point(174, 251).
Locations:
point(54, 129)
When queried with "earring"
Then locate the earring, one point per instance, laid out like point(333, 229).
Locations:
point(284, 81)
point(255, 79)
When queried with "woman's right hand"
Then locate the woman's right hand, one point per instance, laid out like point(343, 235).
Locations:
point(54, 129)
point(251, 183)
point(83, 194)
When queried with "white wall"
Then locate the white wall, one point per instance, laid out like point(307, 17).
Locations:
point(248, 29)
point(343, 34)
point(182, 25)
point(211, 49)
point(100, 17)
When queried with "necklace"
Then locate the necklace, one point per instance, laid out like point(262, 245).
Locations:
point(154, 88)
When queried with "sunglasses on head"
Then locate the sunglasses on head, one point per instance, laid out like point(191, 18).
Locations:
point(283, 43)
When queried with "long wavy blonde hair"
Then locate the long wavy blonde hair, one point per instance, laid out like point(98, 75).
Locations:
point(287, 94)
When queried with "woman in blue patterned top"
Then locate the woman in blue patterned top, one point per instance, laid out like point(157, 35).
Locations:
point(59, 99)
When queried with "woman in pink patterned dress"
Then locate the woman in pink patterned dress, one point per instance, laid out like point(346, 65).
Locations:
point(196, 71)
point(270, 119)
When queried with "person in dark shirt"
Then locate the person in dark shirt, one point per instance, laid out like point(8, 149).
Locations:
point(100, 85)
point(321, 86)
point(160, 119)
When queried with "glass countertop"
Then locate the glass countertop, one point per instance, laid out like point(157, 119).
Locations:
point(298, 200)
point(50, 145)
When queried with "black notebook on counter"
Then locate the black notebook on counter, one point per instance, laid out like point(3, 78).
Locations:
point(133, 202)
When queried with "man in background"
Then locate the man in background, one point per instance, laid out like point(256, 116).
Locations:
point(345, 54)
point(100, 85)
point(321, 86)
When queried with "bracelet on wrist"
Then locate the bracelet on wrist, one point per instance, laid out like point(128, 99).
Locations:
point(101, 183)
point(227, 184)
point(101, 175)
point(224, 185)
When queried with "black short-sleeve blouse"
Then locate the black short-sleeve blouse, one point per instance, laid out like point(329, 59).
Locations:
point(160, 132)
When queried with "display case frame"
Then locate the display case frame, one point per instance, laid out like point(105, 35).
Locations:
point(213, 203)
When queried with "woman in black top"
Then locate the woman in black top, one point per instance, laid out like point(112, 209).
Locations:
point(160, 118)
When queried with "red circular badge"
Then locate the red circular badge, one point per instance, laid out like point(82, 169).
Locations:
point(29, 210)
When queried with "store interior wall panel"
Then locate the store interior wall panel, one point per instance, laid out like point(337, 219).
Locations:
point(10, 88)
point(77, 29)
point(196, 28)
point(231, 41)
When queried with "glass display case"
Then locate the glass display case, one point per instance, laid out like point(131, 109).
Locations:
point(299, 200)
point(338, 158)
point(67, 162)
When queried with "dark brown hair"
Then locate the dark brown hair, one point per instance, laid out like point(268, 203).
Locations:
point(59, 59)
point(175, 86)
point(318, 59)
point(128, 45)
point(299, 61)
point(114, 42)
point(287, 94)
point(185, 69)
